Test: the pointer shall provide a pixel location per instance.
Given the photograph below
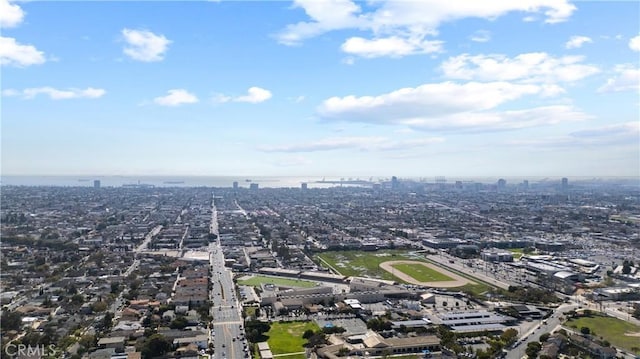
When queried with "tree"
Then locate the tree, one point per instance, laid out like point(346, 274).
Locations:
point(10, 320)
point(333, 330)
point(585, 330)
point(533, 349)
point(107, 321)
point(115, 287)
point(378, 325)
point(317, 339)
point(77, 299)
point(544, 337)
point(255, 330)
point(156, 345)
point(179, 323)
point(307, 334)
point(509, 336)
point(100, 306)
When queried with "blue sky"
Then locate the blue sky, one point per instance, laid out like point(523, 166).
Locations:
point(321, 88)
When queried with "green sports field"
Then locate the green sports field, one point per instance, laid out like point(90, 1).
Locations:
point(361, 264)
point(421, 273)
point(613, 330)
point(285, 338)
point(367, 264)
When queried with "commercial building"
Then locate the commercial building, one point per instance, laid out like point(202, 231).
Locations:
point(474, 321)
point(494, 255)
point(373, 344)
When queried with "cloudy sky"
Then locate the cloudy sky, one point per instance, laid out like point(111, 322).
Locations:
point(322, 88)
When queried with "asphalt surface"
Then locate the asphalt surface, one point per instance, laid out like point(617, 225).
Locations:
point(227, 332)
point(533, 335)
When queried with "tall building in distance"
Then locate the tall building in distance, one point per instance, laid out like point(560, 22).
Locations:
point(525, 184)
point(253, 186)
point(96, 184)
point(235, 185)
point(565, 184)
point(502, 184)
point(303, 185)
point(395, 184)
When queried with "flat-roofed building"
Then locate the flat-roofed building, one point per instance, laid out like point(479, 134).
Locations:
point(472, 321)
point(494, 255)
point(374, 344)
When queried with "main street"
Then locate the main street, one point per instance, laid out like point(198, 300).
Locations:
point(545, 326)
point(227, 332)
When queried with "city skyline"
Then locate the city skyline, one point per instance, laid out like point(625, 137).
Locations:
point(314, 88)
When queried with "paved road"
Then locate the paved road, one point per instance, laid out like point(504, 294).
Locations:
point(545, 326)
point(142, 247)
point(227, 333)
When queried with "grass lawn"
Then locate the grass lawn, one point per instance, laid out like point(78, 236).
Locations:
point(610, 329)
point(479, 288)
point(422, 273)
point(359, 263)
point(516, 252)
point(257, 280)
point(250, 311)
point(287, 337)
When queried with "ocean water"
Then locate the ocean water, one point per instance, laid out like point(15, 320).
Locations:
point(165, 181)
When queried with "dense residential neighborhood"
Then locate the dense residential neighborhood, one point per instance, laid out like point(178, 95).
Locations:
point(467, 270)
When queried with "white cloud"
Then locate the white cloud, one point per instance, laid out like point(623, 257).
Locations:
point(143, 45)
point(254, 95)
point(528, 67)
point(11, 15)
point(406, 20)
point(481, 36)
point(499, 120)
point(15, 54)
point(176, 97)
point(626, 78)
point(619, 134)
point(326, 15)
point(634, 43)
point(393, 46)
point(576, 42)
point(372, 143)
point(428, 100)
point(56, 94)
point(627, 129)
point(10, 92)
point(449, 106)
point(349, 60)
